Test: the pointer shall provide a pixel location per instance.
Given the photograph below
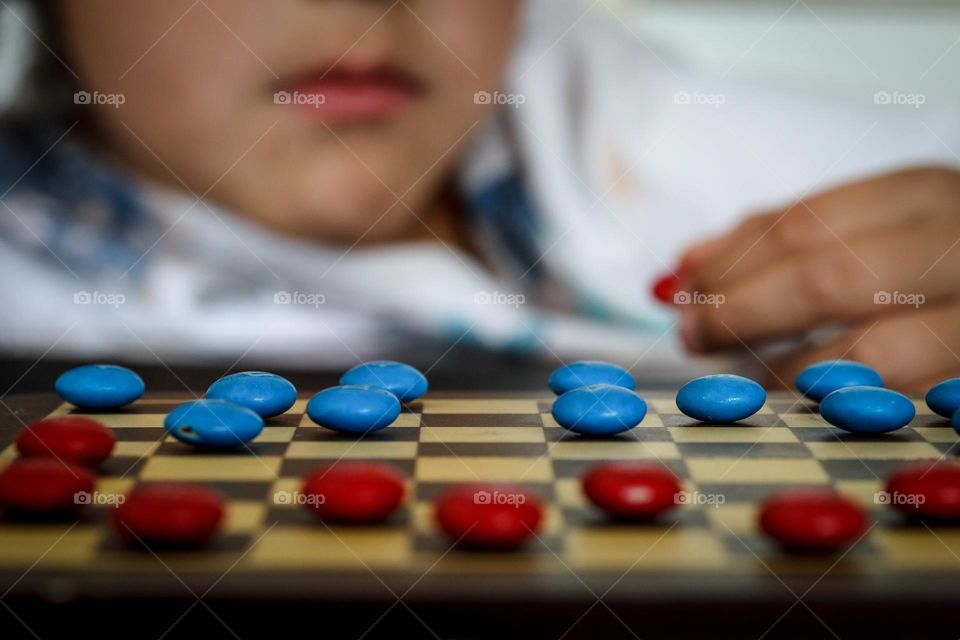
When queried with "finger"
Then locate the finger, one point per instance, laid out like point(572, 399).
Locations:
point(837, 215)
point(840, 282)
point(908, 349)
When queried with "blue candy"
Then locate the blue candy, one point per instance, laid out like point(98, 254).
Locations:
point(599, 409)
point(589, 372)
point(213, 423)
point(100, 386)
point(721, 398)
point(823, 378)
point(266, 393)
point(867, 409)
point(944, 397)
point(400, 379)
point(354, 408)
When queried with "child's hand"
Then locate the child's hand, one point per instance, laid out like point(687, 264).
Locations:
point(881, 258)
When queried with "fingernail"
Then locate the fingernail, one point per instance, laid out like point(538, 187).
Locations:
point(666, 287)
point(690, 331)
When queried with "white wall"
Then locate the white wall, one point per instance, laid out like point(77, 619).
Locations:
point(851, 48)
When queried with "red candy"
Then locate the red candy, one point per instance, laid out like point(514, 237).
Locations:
point(489, 517)
point(926, 490)
point(69, 438)
point(631, 490)
point(169, 514)
point(43, 485)
point(814, 520)
point(354, 492)
point(667, 287)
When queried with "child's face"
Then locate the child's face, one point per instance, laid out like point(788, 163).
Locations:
point(199, 82)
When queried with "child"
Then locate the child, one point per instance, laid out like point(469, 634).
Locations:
point(321, 182)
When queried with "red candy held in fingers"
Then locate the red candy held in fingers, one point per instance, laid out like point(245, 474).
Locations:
point(489, 517)
point(819, 521)
point(631, 490)
point(354, 492)
point(44, 485)
point(666, 288)
point(70, 438)
point(926, 490)
point(169, 515)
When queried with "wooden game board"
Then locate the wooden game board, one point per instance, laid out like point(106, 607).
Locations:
point(271, 546)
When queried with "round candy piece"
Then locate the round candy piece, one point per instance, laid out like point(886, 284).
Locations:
point(589, 372)
point(599, 409)
point(944, 398)
point(400, 379)
point(169, 514)
point(631, 490)
point(926, 490)
point(100, 386)
point(814, 520)
point(354, 408)
point(354, 492)
point(266, 393)
point(213, 423)
point(667, 287)
point(867, 409)
point(823, 378)
point(70, 438)
point(489, 517)
point(44, 485)
point(721, 398)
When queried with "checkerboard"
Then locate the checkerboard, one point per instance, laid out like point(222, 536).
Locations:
point(447, 438)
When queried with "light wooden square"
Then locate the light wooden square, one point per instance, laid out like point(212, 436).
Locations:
point(245, 516)
point(211, 468)
point(618, 450)
point(135, 449)
point(484, 469)
point(482, 434)
point(803, 420)
point(758, 435)
point(756, 470)
point(873, 450)
point(351, 449)
point(276, 434)
point(937, 434)
point(480, 406)
point(929, 549)
point(130, 420)
point(349, 548)
point(644, 548)
point(45, 546)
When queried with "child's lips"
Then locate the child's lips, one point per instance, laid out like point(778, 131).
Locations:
point(341, 96)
